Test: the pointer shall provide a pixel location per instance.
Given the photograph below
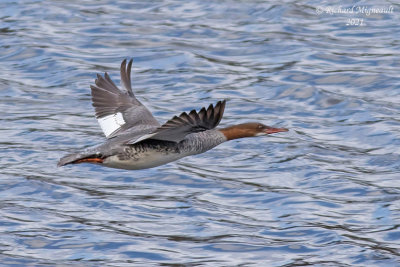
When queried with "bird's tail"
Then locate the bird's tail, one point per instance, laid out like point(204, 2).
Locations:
point(80, 158)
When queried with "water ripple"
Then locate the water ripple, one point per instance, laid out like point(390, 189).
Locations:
point(324, 194)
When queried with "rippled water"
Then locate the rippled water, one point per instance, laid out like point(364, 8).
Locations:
point(326, 194)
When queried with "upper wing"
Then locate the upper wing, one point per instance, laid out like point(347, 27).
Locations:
point(118, 111)
point(177, 128)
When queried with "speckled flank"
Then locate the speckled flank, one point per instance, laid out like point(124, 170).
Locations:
point(152, 153)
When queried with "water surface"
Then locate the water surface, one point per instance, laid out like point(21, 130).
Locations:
point(325, 194)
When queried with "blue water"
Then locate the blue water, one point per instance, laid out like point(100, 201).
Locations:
point(327, 193)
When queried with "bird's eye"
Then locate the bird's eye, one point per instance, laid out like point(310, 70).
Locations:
point(260, 126)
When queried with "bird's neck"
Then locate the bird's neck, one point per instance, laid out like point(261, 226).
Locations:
point(235, 132)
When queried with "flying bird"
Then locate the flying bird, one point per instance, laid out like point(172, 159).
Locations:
point(136, 140)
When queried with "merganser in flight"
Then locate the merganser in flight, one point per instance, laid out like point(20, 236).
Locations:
point(135, 139)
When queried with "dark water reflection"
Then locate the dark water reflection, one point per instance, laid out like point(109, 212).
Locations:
point(324, 194)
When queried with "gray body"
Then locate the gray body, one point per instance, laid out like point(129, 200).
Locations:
point(149, 153)
point(152, 153)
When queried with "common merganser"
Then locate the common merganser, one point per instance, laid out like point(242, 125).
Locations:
point(137, 141)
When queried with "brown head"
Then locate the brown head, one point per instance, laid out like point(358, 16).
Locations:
point(250, 129)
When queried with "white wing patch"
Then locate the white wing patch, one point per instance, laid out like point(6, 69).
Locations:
point(111, 123)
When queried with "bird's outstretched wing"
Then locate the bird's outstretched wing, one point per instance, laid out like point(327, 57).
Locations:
point(119, 112)
point(178, 127)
